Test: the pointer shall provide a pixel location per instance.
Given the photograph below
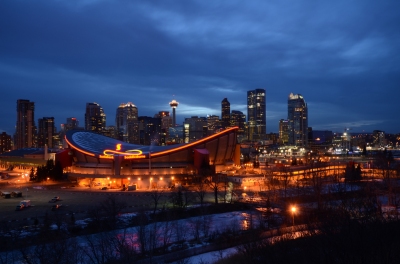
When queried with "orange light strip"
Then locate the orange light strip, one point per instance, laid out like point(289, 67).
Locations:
point(135, 157)
point(78, 149)
point(194, 143)
point(106, 157)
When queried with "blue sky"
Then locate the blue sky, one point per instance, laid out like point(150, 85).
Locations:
point(342, 56)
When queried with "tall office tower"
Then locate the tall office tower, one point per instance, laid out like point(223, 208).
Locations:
point(225, 113)
point(149, 130)
point(213, 124)
point(174, 104)
point(166, 120)
point(239, 119)
point(283, 131)
point(298, 120)
point(195, 128)
point(127, 123)
point(25, 133)
point(5, 142)
point(46, 132)
point(166, 123)
point(256, 114)
point(95, 118)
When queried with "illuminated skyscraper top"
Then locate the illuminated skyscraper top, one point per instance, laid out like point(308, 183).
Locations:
point(174, 105)
point(127, 123)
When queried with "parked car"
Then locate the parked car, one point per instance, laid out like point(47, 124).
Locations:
point(19, 207)
point(25, 203)
point(55, 199)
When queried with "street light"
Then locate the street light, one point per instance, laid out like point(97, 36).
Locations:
point(293, 212)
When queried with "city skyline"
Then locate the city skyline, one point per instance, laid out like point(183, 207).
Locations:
point(342, 57)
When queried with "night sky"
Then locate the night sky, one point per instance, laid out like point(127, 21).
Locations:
point(342, 56)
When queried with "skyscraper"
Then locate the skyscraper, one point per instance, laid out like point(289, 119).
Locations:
point(225, 113)
point(298, 120)
point(95, 118)
point(283, 131)
point(256, 114)
point(46, 132)
point(238, 119)
point(127, 123)
point(195, 128)
point(25, 133)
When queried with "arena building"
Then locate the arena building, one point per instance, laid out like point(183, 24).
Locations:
point(99, 161)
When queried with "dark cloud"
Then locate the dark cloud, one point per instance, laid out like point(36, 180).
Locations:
point(342, 56)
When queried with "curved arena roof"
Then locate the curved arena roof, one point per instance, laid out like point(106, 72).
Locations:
point(92, 147)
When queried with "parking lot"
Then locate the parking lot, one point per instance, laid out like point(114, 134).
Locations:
point(76, 200)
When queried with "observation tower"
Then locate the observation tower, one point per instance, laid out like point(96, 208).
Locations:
point(174, 105)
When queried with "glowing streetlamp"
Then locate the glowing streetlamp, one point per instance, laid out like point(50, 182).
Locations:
point(293, 209)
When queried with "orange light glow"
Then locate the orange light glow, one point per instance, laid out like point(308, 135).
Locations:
point(109, 152)
point(226, 131)
point(118, 147)
point(78, 149)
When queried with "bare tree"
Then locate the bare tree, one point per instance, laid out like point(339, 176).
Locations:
point(112, 208)
point(156, 196)
point(200, 189)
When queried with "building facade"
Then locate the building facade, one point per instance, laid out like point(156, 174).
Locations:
point(283, 132)
point(127, 123)
point(238, 119)
point(225, 113)
point(5, 142)
point(150, 131)
point(95, 118)
point(195, 128)
point(25, 133)
point(298, 120)
point(46, 132)
point(256, 114)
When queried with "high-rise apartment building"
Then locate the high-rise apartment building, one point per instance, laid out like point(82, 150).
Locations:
point(256, 114)
point(5, 142)
point(95, 118)
point(283, 131)
point(225, 113)
point(127, 123)
point(298, 120)
point(46, 132)
point(25, 133)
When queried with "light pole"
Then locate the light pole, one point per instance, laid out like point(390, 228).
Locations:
point(293, 212)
